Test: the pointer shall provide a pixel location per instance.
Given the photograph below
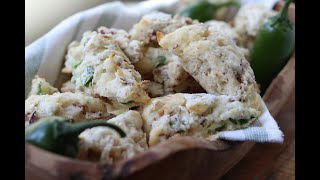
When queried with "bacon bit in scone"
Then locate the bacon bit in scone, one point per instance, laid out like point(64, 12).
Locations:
point(145, 84)
point(33, 118)
point(161, 112)
point(159, 35)
point(107, 36)
point(175, 46)
point(231, 23)
point(120, 73)
point(238, 77)
point(188, 21)
point(216, 74)
point(206, 33)
point(153, 39)
point(220, 42)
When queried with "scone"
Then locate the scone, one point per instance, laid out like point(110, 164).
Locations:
point(107, 72)
point(199, 115)
point(74, 106)
point(214, 60)
point(146, 31)
point(158, 64)
point(105, 145)
point(133, 49)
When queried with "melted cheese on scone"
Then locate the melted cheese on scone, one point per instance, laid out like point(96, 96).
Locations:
point(199, 115)
point(105, 145)
point(214, 60)
point(75, 106)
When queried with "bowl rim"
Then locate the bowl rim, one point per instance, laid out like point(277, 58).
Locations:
point(178, 143)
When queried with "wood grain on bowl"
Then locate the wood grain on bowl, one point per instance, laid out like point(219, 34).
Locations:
point(177, 158)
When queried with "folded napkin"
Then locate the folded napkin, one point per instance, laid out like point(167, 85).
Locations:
point(45, 56)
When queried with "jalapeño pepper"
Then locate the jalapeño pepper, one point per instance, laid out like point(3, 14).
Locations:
point(204, 11)
point(58, 135)
point(272, 48)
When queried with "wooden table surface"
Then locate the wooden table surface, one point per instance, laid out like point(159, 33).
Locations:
point(271, 161)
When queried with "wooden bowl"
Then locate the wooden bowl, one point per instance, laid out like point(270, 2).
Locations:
point(178, 158)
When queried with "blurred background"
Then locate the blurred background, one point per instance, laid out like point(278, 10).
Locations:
point(43, 15)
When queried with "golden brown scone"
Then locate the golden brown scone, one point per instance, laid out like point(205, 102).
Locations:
point(214, 60)
point(107, 72)
point(199, 115)
point(105, 145)
point(131, 48)
point(75, 106)
point(40, 87)
point(146, 31)
point(158, 64)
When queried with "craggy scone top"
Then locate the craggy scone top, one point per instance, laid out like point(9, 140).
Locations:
point(75, 106)
point(105, 145)
point(214, 60)
point(106, 71)
point(199, 115)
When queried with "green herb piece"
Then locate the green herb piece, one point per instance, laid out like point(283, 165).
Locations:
point(88, 75)
point(173, 121)
point(129, 102)
point(220, 128)
point(211, 131)
point(233, 121)
point(76, 64)
point(243, 121)
point(161, 60)
point(39, 89)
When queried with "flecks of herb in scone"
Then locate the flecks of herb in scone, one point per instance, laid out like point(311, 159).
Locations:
point(161, 60)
